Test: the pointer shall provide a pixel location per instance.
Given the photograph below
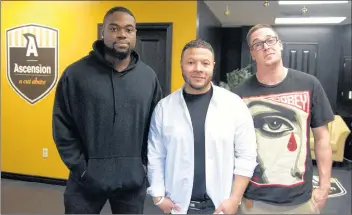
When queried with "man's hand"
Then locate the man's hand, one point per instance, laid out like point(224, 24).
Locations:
point(167, 205)
point(229, 206)
point(320, 196)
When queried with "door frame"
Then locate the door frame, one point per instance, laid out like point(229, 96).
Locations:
point(158, 26)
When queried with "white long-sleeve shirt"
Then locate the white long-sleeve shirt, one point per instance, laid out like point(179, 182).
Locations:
point(230, 147)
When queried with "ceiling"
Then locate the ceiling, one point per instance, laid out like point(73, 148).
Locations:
point(253, 12)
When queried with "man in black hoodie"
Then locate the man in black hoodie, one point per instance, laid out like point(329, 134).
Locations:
point(101, 116)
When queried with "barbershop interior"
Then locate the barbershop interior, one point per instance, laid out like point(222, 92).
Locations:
point(316, 39)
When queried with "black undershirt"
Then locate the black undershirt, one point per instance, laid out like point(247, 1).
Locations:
point(198, 107)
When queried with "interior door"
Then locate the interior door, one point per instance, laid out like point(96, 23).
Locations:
point(151, 46)
point(301, 56)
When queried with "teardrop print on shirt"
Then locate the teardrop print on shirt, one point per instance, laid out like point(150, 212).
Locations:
point(292, 144)
point(281, 127)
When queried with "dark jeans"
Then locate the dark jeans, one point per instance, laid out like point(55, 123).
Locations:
point(79, 200)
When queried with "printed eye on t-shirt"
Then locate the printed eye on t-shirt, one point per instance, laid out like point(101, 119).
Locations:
point(283, 115)
point(281, 118)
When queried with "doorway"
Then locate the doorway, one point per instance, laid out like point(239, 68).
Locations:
point(154, 45)
point(154, 42)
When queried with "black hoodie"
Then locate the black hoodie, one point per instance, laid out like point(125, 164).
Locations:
point(101, 121)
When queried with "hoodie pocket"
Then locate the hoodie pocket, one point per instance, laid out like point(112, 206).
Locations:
point(134, 173)
point(91, 184)
point(110, 174)
point(89, 181)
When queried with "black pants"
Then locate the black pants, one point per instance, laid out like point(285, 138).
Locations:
point(209, 209)
point(202, 211)
point(79, 200)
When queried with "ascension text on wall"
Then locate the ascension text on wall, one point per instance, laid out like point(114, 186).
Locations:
point(32, 60)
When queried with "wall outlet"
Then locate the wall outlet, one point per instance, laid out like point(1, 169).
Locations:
point(45, 153)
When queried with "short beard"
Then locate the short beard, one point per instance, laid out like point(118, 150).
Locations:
point(116, 54)
point(195, 87)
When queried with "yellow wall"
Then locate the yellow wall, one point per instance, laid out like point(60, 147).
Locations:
point(26, 129)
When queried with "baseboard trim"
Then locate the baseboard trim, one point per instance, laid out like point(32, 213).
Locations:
point(32, 178)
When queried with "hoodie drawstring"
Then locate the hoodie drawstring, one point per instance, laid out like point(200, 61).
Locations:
point(113, 94)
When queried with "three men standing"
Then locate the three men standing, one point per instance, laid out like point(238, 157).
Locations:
point(202, 139)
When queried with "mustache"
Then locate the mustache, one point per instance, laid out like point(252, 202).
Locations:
point(120, 42)
point(197, 76)
point(115, 43)
point(197, 72)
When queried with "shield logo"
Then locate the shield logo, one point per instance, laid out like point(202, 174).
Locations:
point(32, 60)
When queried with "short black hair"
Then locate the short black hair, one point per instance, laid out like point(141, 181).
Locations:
point(198, 43)
point(119, 9)
point(257, 27)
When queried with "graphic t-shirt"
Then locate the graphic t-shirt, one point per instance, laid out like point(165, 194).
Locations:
point(283, 115)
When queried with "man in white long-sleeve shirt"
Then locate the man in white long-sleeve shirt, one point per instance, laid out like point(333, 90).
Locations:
point(202, 144)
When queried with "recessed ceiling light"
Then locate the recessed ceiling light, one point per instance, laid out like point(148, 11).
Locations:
point(309, 20)
point(311, 2)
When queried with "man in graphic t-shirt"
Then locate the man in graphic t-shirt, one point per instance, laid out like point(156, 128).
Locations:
point(285, 104)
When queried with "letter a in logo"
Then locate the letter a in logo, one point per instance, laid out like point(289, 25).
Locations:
point(31, 45)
